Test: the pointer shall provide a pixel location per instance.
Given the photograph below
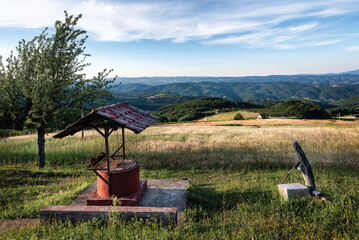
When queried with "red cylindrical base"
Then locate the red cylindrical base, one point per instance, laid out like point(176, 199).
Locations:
point(123, 183)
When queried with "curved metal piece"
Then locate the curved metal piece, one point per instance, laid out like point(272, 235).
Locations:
point(305, 168)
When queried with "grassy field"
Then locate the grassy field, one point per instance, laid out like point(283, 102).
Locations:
point(227, 116)
point(234, 170)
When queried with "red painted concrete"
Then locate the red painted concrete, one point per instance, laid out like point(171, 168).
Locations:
point(123, 183)
point(133, 209)
point(77, 213)
point(131, 200)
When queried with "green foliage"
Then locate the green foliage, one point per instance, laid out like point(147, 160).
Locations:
point(253, 91)
point(302, 110)
point(4, 133)
point(150, 102)
point(335, 112)
point(45, 78)
point(352, 102)
point(238, 116)
point(297, 109)
point(196, 109)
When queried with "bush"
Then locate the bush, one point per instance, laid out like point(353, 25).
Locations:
point(238, 116)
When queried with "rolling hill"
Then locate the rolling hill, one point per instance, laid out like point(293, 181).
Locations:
point(251, 91)
point(332, 78)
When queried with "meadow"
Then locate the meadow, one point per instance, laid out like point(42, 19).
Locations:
point(234, 171)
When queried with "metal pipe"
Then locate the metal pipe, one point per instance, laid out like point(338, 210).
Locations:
point(108, 160)
point(123, 143)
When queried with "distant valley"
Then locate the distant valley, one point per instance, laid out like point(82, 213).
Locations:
point(253, 91)
point(351, 77)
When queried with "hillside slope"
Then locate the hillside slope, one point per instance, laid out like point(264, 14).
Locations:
point(252, 91)
point(196, 109)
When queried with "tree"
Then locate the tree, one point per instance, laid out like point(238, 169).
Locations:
point(49, 73)
point(238, 116)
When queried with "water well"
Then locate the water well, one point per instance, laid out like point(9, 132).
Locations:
point(117, 177)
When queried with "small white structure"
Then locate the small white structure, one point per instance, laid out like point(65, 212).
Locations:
point(293, 190)
point(263, 116)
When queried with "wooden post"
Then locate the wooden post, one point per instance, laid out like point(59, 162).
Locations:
point(305, 168)
point(108, 160)
point(123, 143)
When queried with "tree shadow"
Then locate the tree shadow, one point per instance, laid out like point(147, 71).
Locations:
point(211, 200)
point(20, 177)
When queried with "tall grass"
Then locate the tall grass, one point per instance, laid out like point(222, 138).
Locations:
point(204, 147)
point(234, 170)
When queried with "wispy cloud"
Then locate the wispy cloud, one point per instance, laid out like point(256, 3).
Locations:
point(353, 48)
point(275, 24)
point(304, 27)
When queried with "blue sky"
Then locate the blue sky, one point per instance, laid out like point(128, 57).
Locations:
point(199, 38)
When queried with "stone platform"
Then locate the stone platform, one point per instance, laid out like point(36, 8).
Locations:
point(164, 200)
point(293, 190)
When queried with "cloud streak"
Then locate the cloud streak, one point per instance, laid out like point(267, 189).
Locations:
point(261, 24)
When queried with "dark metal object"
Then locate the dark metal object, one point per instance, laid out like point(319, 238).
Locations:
point(290, 172)
point(305, 168)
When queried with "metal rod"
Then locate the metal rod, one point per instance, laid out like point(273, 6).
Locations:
point(113, 154)
point(103, 135)
point(100, 176)
point(290, 172)
point(123, 142)
point(108, 160)
point(111, 131)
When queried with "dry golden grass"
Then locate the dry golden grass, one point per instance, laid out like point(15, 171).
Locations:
point(228, 116)
point(258, 143)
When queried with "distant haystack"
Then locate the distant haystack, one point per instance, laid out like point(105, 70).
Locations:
point(263, 116)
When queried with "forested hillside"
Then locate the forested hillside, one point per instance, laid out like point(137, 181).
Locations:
point(150, 102)
point(195, 109)
point(351, 77)
point(252, 91)
point(297, 109)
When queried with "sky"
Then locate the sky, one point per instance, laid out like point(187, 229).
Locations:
point(199, 37)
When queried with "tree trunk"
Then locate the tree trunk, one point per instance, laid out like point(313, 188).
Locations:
point(41, 145)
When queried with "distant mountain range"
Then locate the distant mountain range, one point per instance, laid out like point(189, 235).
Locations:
point(334, 78)
point(252, 91)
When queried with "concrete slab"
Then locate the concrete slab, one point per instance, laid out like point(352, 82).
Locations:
point(165, 193)
point(161, 198)
point(85, 213)
point(293, 190)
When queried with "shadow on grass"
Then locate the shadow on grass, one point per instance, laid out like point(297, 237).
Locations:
point(20, 177)
point(211, 200)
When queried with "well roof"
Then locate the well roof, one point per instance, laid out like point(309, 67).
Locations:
point(122, 114)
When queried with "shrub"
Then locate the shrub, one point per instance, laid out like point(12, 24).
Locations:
point(238, 116)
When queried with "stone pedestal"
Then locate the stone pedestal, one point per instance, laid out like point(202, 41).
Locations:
point(293, 190)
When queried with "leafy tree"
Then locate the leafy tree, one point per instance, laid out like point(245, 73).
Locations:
point(238, 116)
point(48, 72)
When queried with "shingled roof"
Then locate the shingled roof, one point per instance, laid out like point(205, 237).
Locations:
point(123, 114)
